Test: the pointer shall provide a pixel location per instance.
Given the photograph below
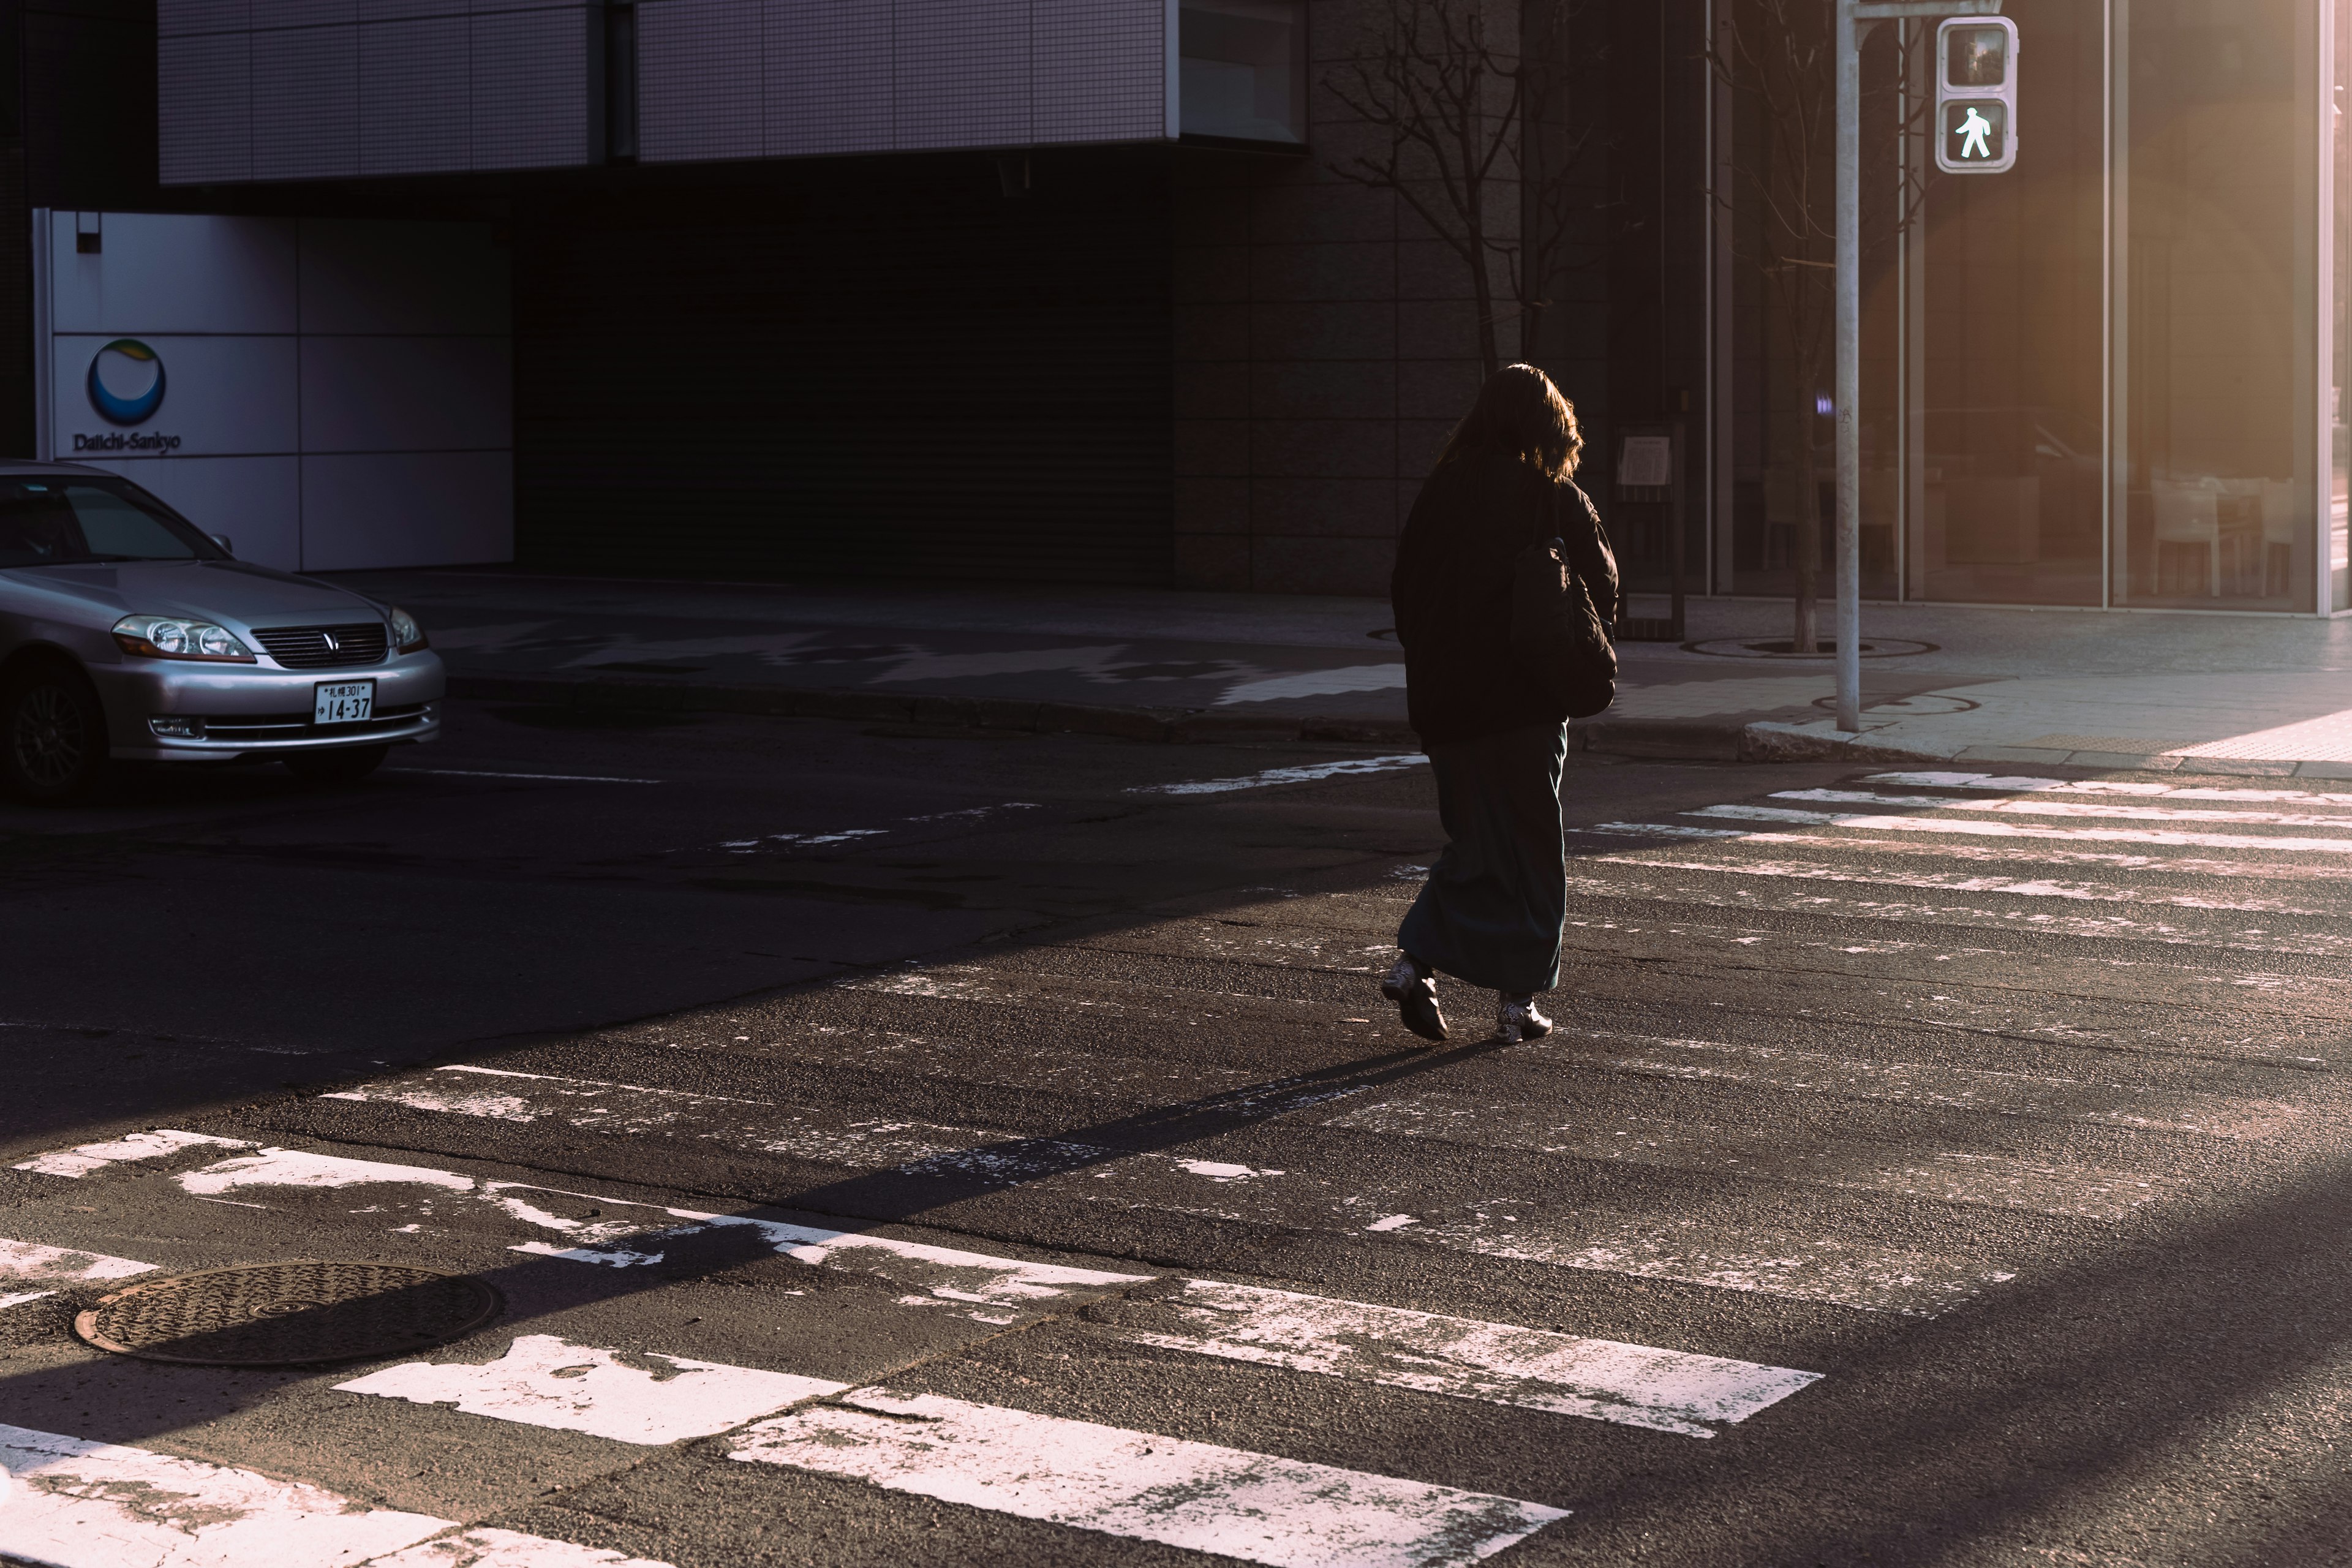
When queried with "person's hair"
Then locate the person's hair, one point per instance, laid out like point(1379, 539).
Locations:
point(1520, 414)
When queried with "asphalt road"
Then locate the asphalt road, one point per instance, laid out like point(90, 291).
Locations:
point(948, 1148)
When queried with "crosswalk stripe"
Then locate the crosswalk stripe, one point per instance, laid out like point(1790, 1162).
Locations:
point(988, 1288)
point(1108, 1478)
point(543, 1381)
point(30, 1260)
point(1636, 1386)
point(1307, 773)
point(2013, 784)
point(1002, 1291)
point(1862, 1275)
point(1287, 1513)
point(1836, 1270)
point(1969, 827)
point(81, 1504)
point(1948, 1176)
point(1997, 1091)
point(766, 1128)
point(1959, 882)
point(2043, 805)
point(51, 1267)
point(2101, 927)
point(84, 1158)
point(505, 1548)
point(1988, 854)
point(999, 1289)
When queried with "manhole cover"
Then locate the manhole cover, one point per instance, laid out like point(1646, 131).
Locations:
point(289, 1315)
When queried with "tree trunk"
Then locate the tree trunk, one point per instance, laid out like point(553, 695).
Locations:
point(1490, 359)
point(1805, 637)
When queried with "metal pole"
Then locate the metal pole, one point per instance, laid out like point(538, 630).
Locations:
point(1849, 368)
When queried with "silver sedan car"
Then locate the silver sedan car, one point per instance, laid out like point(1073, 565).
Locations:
point(128, 634)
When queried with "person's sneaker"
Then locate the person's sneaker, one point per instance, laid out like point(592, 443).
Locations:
point(1517, 1019)
point(1415, 994)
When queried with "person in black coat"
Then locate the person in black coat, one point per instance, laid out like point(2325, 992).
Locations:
point(1491, 912)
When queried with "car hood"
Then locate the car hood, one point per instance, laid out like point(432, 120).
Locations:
point(237, 593)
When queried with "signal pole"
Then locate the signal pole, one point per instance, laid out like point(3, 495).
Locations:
point(1854, 20)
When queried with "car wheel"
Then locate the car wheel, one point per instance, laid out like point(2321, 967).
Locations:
point(349, 765)
point(52, 735)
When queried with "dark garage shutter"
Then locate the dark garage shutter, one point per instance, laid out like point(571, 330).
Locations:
point(884, 367)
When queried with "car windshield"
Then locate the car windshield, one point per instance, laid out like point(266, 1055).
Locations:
point(60, 521)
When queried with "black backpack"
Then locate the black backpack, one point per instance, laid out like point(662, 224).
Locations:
point(1557, 632)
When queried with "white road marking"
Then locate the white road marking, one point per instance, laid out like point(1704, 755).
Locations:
point(1809, 1158)
point(30, 1263)
point(1304, 774)
point(1724, 1256)
point(1969, 827)
point(541, 1380)
point(1870, 1278)
point(1923, 1083)
point(1140, 1484)
point(2042, 805)
point(1636, 1386)
point(1315, 683)
point(537, 778)
point(84, 1158)
point(2008, 784)
point(1959, 882)
point(505, 1548)
point(2307, 943)
point(301, 1168)
point(99, 1505)
point(916, 1148)
point(944, 1274)
point(988, 1289)
point(1988, 854)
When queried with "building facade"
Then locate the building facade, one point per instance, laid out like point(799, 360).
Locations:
point(1181, 292)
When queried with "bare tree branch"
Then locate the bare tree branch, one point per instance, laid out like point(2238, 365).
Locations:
point(1452, 106)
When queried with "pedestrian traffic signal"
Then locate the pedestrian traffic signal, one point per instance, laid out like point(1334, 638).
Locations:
point(1976, 95)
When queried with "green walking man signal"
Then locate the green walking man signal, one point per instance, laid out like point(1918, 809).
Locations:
point(1976, 95)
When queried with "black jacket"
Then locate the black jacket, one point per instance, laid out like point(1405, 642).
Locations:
point(1452, 591)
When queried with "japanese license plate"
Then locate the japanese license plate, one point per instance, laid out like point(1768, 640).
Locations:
point(343, 701)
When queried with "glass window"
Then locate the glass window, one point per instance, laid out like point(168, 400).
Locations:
point(1242, 69)
point(52, 524)
point(2221, 498)
point(2002, 280)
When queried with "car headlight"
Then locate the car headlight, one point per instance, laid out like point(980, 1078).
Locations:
point(407, 636)
point(172, 636)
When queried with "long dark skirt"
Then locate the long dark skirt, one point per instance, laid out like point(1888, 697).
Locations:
point(1491, 912)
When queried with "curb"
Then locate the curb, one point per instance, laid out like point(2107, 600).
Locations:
point(1769, 741)
point(1171, 725)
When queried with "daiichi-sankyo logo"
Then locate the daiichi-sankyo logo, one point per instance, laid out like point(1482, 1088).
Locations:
point(126, 382)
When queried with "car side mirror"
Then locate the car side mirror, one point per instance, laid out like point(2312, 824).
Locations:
point(226, 549)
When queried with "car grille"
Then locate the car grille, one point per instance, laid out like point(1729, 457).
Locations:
point(324, 647)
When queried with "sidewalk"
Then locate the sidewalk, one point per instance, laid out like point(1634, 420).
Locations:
point(2173, 692)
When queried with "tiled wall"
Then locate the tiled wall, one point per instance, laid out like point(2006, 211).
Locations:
point(746, 78)
point(338, 393)
point(294, 90)
point(1324, 344)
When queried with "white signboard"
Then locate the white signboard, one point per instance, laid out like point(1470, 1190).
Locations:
point(1647, 462)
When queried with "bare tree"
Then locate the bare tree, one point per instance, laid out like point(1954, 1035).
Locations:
point(1452, 95)
point(1782, 54)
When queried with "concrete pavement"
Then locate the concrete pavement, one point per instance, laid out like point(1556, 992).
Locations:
point(2170, 692)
